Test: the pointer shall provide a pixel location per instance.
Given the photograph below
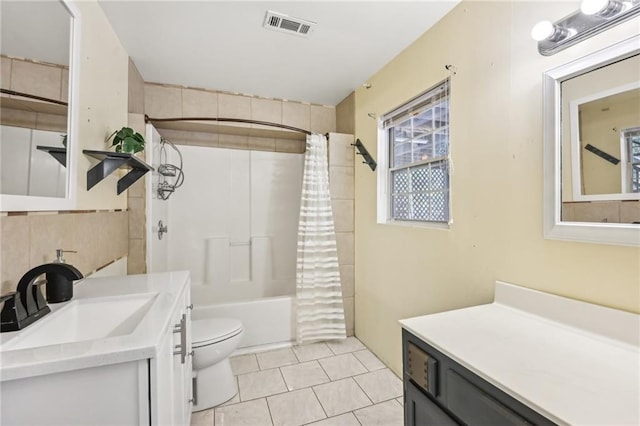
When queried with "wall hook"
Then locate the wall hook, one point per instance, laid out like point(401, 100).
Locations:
point(368, 159)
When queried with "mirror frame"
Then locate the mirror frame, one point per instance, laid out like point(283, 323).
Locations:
point(10, 203)
point(554, 228)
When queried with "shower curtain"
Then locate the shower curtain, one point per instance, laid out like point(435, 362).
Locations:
point(320, 314)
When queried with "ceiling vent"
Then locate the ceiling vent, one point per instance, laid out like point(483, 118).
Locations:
point(288, 24)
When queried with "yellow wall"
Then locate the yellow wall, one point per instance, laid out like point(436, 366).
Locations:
point(104, 66)
point(496, 137)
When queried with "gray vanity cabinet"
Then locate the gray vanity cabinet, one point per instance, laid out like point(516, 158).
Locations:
point(439, 391)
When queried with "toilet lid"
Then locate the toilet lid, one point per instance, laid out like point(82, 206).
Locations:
point(212, 330)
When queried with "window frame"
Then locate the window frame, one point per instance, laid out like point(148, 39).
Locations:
point(417, 105)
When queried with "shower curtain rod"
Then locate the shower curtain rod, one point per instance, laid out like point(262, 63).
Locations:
point(38, 98)
point(148, 119)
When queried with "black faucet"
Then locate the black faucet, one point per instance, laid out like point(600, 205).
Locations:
point(27, 304)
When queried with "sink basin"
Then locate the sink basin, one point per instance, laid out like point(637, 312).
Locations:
point(85, 319)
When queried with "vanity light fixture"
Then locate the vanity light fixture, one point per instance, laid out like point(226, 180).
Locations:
point(593, 17)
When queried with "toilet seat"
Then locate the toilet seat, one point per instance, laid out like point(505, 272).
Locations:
point(213, 330)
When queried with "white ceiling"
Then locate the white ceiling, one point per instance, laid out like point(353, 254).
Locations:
point(222, 44)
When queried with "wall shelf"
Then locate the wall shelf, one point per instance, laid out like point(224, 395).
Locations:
point(110, 162)
point(59, 153)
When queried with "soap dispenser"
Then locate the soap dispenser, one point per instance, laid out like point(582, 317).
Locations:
point(59, 282)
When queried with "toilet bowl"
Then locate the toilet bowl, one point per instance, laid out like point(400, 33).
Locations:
point(213, 340)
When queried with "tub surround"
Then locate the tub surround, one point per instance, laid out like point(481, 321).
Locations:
point(570, 361)
point(142, 343)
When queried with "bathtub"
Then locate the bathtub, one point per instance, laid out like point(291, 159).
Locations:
point(268, 322)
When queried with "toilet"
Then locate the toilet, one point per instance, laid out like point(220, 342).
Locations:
point(213, 340)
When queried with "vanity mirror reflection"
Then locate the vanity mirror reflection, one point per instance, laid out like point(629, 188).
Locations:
point(38, 101)
point(592, 147)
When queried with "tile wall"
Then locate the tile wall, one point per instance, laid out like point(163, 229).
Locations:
point(164, 101)
point(34, 78)
point(28, 240)
point(602, 211)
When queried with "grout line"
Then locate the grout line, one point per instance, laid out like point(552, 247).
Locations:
point(326, 416)
point(365, 392)
point(266, 401)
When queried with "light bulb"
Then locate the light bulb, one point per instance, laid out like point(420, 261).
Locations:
point(593, 7)
point(542, 30)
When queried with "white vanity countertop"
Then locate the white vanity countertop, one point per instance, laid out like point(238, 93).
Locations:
point(140, 344)
point(573, 362)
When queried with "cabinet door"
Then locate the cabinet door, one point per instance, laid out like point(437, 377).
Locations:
point(419, 410)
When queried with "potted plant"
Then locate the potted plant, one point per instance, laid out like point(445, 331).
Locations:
point(127, 140)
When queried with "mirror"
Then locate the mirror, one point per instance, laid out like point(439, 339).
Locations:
point(37, 100)
point(592, 147)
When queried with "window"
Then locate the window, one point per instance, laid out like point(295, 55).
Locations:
point(414, 175)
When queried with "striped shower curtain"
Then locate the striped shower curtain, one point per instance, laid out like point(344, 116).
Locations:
point(320, 314)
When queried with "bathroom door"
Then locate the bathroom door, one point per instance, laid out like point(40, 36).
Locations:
point(157, 210)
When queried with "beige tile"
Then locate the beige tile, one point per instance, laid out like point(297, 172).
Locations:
point(137, 218)
point(136, 260)
point(343, 215)
point(251, 413)
point(350, 344)
point(269, 110)
point(242, 364)
point(199, 103)
point(137, 190)
point(347, 280)
point(179, 137)
point(64, 85)
point(346, 115)
point(347, 419)
point(15, 243)
point(18, 118)
point(296, 114)
point(291, 145)
point(349, 314)
point(36, 79)
point(369, 360)
point(136, 90)
point(341, 396)
point(261, 144)
point(387, 413)
point(341, 366)
point(52, 122)
point(304, 375)
point(567, 212)
point(202, 139)
point(597, 211)
point(341, 182)
point(380, 385)
point(202, 418)
point(276, 358)
point(629, 211)
point(162, 101)
point(261, 384)
point(322, 119)
point(5, 72)
point(136, 122)
point(234, 106)
point(341, 151)
point(312, 351)
point(400, 401)
point(233, 141)
point(52, 231)
point(345, 248)
point(295, 408)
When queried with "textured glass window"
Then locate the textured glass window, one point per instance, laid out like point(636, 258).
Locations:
point(418, 137)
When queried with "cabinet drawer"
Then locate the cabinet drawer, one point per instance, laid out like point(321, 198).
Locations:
point(475, 407)
point(422, 368)
point(419, 410)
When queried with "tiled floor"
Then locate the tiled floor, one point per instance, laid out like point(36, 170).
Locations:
point(321, 384)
